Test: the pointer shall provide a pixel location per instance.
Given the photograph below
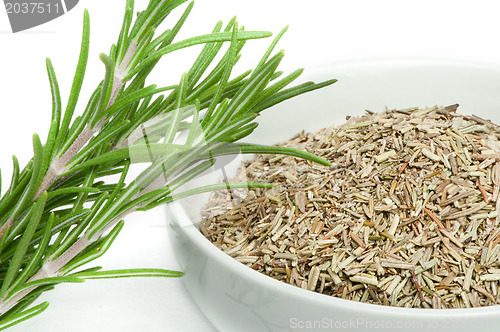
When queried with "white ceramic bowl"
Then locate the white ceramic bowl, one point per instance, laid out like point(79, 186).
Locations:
point(237, 298)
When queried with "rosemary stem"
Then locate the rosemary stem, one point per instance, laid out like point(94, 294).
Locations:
point(121, 72)
point(52, 268)
point(57, 166)
point(7, 305)
point(49, 269)
point(117, 85)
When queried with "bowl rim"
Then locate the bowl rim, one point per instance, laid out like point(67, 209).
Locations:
point(195, 235)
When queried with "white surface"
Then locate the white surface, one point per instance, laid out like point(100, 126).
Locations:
point(320, 32)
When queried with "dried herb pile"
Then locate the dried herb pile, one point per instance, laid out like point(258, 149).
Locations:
point(407, 215)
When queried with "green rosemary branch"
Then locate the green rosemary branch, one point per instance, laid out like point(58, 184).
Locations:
point(63, 210)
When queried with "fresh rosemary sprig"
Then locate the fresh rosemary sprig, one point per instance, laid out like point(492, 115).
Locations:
point(66, 206)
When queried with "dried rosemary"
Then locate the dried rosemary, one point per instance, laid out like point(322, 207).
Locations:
point(407, 216)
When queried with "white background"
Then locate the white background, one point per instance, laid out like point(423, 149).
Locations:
point(321, 32)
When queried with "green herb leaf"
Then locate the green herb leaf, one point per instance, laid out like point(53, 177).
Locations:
point(77, 81)
point(27, 314)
